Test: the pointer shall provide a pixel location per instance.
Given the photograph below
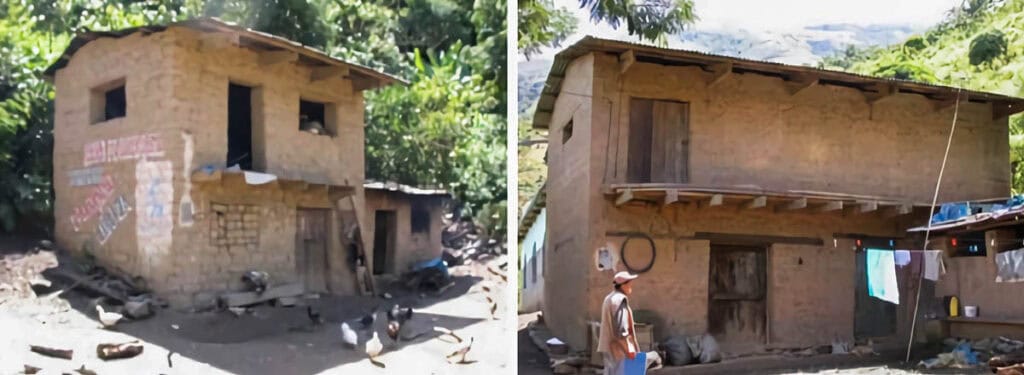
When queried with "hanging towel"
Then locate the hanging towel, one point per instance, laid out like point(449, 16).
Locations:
point(1010, 266)
point(881, 267)
point(933, 266)
point(902, 257)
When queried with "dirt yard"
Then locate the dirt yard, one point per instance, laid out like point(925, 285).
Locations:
point(270, 340)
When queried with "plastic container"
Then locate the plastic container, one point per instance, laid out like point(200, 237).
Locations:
point(971, 311)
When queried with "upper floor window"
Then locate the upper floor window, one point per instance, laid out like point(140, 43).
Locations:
point(419, 219)
point(108, 101)
point(659, 141)
point(316, 117)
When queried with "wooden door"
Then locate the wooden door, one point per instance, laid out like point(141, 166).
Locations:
point(736, 293)
point(659, 141)
point(385, 229)
point(872, 317)
point(311, 248)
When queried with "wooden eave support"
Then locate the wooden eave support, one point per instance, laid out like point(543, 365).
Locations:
point(626, 61)
point(268, 58)
point(1002, 109)
point(671, 196)
point(327, 72)
point(898, 210)
point(795, 204)
point(867, 206)
point(884, 90)
point(757, 202)
point(720, 72)
point(360, 83)
point(714, 200)
point(831, 206)
point(624, 197)
point(943, 103)
point(802, 82)
point(210, 42)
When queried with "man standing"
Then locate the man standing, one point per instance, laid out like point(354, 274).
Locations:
point(617, 341)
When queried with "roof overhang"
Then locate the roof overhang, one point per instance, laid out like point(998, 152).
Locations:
point(404, 189)
point(980, 221)
point(533, 209)
point(266, 180)
point(364, 78)
point(797, 77)
point(755, 198)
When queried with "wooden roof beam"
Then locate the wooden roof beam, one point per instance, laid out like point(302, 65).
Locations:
point(943, 103)
point(898, 210)
point(268, 58)
point(327, 72)
point(1002, 109)
point(799, 83)
point(882, 91)
point(671, 196)
point(626, 61)
point(720, 72)
point(624, 197)
point(795, 204)
point(867, 206)
point(831, 206)
point(712, 201)
point(757, 202)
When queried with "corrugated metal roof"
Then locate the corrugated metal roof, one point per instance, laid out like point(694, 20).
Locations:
point(395, 187)
point(588, 44)
point(210, 24)
point(532, 209)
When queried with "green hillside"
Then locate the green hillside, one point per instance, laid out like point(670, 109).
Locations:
point(979, 46)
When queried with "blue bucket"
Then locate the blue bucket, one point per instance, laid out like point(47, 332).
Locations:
point(636, 366)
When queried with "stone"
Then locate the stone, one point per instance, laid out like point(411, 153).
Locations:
point(204, 301)
point(138, 309)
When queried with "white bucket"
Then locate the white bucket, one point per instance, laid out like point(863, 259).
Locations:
point(971, 311)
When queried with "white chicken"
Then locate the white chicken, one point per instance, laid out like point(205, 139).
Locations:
point(109, 319)
point(348, 335)
point(373, 349)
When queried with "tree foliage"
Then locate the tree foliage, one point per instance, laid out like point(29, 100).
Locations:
point(446, 129)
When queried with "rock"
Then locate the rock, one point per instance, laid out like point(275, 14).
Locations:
point(118, 351)
point(138, 310)
point(287, 301)
point(204, 301)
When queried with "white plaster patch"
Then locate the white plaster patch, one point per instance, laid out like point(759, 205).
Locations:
point(605, 258)
point(154, 199)
point(86, 176)
point(186, 209)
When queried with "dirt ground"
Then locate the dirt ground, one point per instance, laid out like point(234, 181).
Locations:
point(270, 340)
point(533, 361)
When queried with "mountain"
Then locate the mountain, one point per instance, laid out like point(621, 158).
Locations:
point(806, 46)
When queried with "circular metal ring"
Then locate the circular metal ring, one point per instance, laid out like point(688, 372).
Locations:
point(622, 253)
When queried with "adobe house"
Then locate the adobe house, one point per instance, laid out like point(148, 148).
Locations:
point(188, 153)
point(406, 223)
point(743, 192)
point(970, 247)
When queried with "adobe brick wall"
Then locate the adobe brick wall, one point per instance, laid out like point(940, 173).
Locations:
point(410, 247)
point(177, 113)
point(973, 279)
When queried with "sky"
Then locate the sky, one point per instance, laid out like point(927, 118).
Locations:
point(779, 15)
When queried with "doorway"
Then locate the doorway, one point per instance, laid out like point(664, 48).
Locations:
point(385, 226)
point(311, 248)
point(872, 317)
point(239, 126)
point(737, 308)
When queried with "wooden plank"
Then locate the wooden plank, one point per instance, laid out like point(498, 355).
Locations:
point(327, 72)
point(641, 114)
point(248, 298)
point(626, 61)
point(268, 58)
point(668, 124)
point(360, 83)
point(671, 196)
point(868, 206)
point(757, 202)
point(898, 210)
point(712, 201)
point(1002, 109)
point(720, 72)
point(624, 197)
point(795, 204)
point(831, 206)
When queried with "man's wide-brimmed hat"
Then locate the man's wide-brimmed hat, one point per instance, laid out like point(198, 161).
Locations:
point(624, 277)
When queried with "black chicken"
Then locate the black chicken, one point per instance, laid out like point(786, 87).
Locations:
point(314, 316)
point(256, 280)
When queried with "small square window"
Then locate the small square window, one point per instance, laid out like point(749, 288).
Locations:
point(419, 220)
point(108, 101)
point(316, 118)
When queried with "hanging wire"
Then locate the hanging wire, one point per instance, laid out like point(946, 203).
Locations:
point(928, 229)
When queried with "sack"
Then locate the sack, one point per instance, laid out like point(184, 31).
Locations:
point(704, 348)
point(677, 351)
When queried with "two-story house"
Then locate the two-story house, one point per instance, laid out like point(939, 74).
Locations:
point(744, 192)
point(188, 153)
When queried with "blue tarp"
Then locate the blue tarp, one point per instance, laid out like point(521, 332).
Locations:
point(952, 211)
point(431, 263)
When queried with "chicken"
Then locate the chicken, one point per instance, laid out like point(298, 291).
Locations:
point(348, 335)
point(109, 319)
point(460, 353)
point(312, 126)
point(393, 327)
point(314, 316)
point(373, 349)
point(256, 280)
point(397, 313)
point(367, 320)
